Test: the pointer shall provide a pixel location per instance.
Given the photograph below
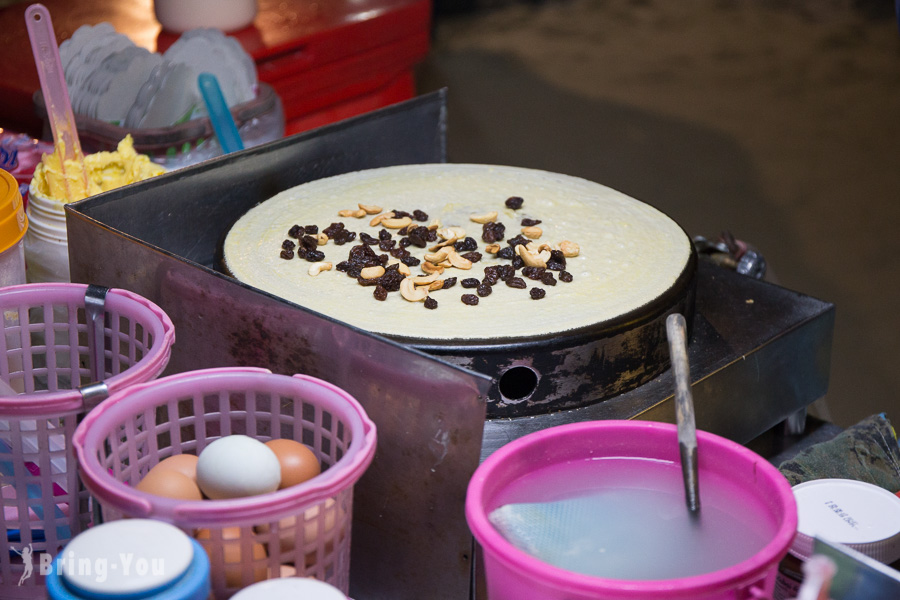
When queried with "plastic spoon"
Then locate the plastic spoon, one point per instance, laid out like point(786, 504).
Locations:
point(56, 93)
point(219, 115)
point(676, 330)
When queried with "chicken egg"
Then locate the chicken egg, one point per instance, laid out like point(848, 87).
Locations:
point(183, 463)
point(169, 484)
point(288, 533)
point(225, 556)
point(298, 462)
point(236, 466)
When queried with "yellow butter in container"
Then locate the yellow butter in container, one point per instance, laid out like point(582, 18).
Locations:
point(46, 247)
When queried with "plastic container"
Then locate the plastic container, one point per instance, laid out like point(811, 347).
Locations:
point(46, 359)
point(290, 588)
point(856, 514)
point(46, 242)
point(512, 574)
point(181, 15)
point(13, 228)
point(258, 121)
point(133, 559)
point(248, 539)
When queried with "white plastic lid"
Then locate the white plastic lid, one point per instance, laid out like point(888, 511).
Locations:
point(121, 558)
point(860, 515)
point(290, 588)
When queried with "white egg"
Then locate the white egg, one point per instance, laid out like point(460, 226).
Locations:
point(236, 466)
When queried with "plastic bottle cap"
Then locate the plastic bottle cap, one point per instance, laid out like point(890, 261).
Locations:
point(290, 588)
point(124, 558)
point(13, 222)
point(860, 515)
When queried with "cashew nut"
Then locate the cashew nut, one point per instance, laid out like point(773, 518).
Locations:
point(485, 218)
point(370, 209)
point(318, 267)
point(372, 272)
point(569, 249)
point(412, 293)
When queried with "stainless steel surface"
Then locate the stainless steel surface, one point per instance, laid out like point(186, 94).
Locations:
point(94, 310)
point(758, 354)
point(159, 239)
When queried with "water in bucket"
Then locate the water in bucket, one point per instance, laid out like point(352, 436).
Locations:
point(625, 518)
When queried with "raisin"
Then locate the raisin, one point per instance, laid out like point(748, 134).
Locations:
point(472, 256)
point(386, 245)
point(301, 251)
point(391, 279)
point(514, 202)
point(484, 290)
point(420, 215)
point(332, 229)
point(449, 283)
point(519, 240)
point(410, 261)
point(287, 254)
point(354, 271)
point(431, 236)
point(508, 253)
point(517, 263)
point(399, 214)
point(535, 273)
point(311, 229)
point(548, 279)
point(469, 282)
point(405, 242)
point(466, 244)
point(537, 293)
point(417, 236)
point(430, 303)
point(530, 222)
point(470, 299)
point(288, 245)
point(365, 238)
point(309, 242)
point(315, 256)
point(363, 255)
point(384, 235)
point(516, 282)
point(565, 276)
point(491, 274)
point(380, 293)
point(505, 272)
point(295, 231)
point(557, 261)
point(492, 232)
point(342, 266)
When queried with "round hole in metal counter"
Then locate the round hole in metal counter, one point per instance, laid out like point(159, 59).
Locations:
point(518, 383)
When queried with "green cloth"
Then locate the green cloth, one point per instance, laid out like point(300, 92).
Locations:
point(867, 451)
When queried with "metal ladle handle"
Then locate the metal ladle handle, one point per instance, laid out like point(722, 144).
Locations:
point(676, 330)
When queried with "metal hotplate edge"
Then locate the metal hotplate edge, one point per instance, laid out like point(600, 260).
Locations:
point(759, 354)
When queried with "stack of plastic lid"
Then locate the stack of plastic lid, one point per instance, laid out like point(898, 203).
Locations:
point(13, 225)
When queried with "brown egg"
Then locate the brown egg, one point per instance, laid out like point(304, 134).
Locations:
point(169, 484)
point(298, 462)
point(231, 555)
point(184, 463)
point(287, 527)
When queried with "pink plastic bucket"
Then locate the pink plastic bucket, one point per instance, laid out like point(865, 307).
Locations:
point(512, 574)
point(46, 369)
point(306, 526)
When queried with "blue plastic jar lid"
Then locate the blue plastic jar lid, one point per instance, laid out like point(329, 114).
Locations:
point(130, 559)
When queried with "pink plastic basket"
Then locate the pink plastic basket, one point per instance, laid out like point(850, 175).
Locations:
point(306, 526)
point(51, 363)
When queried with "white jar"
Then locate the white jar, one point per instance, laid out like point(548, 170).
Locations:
point(46, 241)
point(182, 15)
point(290, 588)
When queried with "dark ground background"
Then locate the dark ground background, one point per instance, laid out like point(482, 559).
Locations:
point(777, 121)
